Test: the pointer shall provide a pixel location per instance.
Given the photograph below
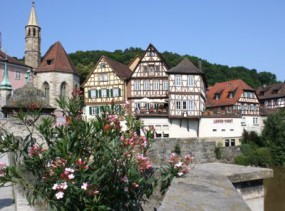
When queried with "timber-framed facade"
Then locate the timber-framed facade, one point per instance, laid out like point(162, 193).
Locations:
point(106, 85)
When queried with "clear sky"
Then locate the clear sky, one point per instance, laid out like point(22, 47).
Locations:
point(249, 33)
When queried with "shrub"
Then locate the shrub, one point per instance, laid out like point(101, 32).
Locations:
point(264, 156)
point(242, 160)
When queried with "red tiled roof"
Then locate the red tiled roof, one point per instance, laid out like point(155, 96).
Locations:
point(10, 59)
point(56, 60)
point(224, 88)
point(272, 91)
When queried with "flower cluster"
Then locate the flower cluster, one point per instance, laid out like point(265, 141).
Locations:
point(143, 162)
point(60, 189)
point(2, 169)
point(36, 151)
point(180, 165)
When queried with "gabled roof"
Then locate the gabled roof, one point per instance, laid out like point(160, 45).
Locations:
point(151, 46)
point(56, 60)
point(237, 87)
point(121, 70)
point(276, 90)
point(11, 60)
point(185, 67)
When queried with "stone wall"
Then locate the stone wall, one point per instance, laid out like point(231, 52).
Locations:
point(203, 152)
point(228, 154)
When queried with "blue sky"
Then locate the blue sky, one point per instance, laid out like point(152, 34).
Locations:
point(248, 33)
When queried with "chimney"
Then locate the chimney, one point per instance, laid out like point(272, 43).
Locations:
point(200, 65)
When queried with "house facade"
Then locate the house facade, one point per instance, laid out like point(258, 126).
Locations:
point(105, 85)
point(272, 96)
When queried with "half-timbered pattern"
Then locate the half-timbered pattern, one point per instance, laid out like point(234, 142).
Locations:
point(106, 85)
point(148, 86)
point(233, 97)
point(272, 96)
point(187, 91)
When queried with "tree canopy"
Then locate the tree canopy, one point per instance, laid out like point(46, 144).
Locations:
point(85, 62)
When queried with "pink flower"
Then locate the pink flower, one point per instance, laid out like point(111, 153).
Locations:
point(84, 186)
point(125, 179)
point(180, 174)
point(70, 176)
point(144, 163)
point(59, 195)
point(55, 186)
point(135, 185)
point(179, 164)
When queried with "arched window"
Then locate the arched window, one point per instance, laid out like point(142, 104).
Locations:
point(46, 90)
point(34, 32)
point(63, 90)
point(29, 32)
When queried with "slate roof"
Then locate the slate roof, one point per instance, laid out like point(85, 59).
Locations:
point(10, 59)
point(56, 60)
point(272, 91)
point(237, 87)
point(185, 67)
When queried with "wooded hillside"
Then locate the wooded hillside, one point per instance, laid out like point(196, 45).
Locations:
point(85, 62)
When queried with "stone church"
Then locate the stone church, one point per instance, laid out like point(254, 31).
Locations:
point(54, 74)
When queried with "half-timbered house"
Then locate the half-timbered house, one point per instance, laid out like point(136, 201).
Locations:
point(272, 96)
point(105, 85)
point(187, 97)
point(235, 97)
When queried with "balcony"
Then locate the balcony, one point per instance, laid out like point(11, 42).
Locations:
point(141, 112)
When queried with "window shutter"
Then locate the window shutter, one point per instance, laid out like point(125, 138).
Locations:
point(100, 93)
point(119, 92)
point(97, 109)
point(96, 93)
point(89, 93)
point(107, 92)
point(90, 110)
point(111, 92)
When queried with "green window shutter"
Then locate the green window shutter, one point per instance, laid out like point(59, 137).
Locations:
point(111, 92)
point(96, 93)
point(90, 110)
point(107, 92)
point(100, 93)
point(119, 92)
point(89, 93)
point(97, 109)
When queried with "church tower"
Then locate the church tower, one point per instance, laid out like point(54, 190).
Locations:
point(33, 40)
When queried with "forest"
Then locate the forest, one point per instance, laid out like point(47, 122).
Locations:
point(85, 62)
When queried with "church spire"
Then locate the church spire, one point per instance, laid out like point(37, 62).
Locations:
point(33, 17)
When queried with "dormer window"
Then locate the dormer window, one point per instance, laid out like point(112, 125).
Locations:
point(231, 95)
point(275, 91)
point(217, 96)
point(49, 61)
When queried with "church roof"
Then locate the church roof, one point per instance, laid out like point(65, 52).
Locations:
point(56, 60)
point(185, 67)
point(26, 97)
point(33, 17)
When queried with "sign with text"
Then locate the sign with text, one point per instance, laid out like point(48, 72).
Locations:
point(222, 121)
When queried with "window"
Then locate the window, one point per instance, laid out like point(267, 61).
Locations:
point(146, 85)
point(233, 142)
point(190, 80)
point(103, 77)
point(137, 85)
point(231, 95)
point(255, 120)
point(214, 130)
point(157, 68)
point(49, 61)
point(217, 96)
point(178, 105)
point(150, 53)
point(46, 90)
point(116, 92)
point(178, 81)
point(93, 93)
point(231, 129)
point(165, 85)
point(63, 90)
point(156, 85)
point(145, 69)
point(94, 110)
point(151, 69)
point(104, 93)
point(223, 130)
point(102, 65)
point(227, 142)
point(191, 105)
point(18, 74)
point(184, 105)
